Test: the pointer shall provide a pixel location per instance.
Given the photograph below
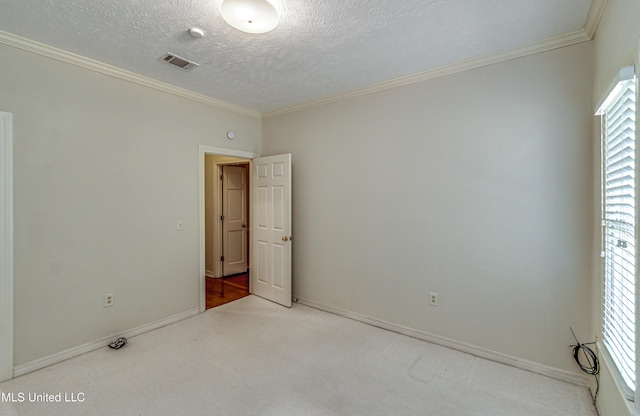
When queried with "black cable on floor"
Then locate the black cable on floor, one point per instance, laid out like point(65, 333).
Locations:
point(119, 343)
point(592, 366)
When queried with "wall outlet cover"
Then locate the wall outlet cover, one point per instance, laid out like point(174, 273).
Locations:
point(108, 299)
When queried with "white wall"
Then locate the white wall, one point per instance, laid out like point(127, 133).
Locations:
point(103, 168)
point(476, 186)
point(615, 46)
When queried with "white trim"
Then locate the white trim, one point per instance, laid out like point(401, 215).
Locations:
point(560, 41)
point(626, 73)
point(99, 343)
point(636, 394)
point(97, 66)
point(6, 246)
point(607, 370)
point(531, 49)
point(612, 368)
point(450, 343)
point(594, 16)
point(202, 151)
point(217, 191)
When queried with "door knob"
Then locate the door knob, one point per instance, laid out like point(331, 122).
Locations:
point(244, 225)
point(285, 238)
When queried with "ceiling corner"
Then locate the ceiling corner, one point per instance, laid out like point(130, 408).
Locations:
point(593, 18)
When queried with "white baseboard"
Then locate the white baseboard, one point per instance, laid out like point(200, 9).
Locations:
point(99, 343)
point(209, 273)
point(456, 345)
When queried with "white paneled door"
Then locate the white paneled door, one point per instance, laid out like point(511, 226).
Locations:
point(234, 223)
point(271, 228)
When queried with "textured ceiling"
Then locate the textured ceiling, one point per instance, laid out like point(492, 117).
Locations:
point(320, 48)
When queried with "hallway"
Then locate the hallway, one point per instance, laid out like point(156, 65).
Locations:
point(225, 290)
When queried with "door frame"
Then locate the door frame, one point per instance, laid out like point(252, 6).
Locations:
point(6, 246)
point(216, 151)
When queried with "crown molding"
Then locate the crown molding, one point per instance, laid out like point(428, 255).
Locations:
point(100, 67)
point(530, 49)
point(586, 34)
point(594, 16)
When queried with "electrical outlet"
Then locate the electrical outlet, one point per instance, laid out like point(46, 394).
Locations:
point(108, 299)
point(433, 298)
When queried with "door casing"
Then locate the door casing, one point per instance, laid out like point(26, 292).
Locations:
point(6, 246)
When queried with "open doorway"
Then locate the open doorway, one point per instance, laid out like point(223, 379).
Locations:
point(221, 156)
point(271, 232)
point(227, 228)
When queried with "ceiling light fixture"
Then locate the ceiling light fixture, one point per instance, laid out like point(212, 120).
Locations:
point(250, 16)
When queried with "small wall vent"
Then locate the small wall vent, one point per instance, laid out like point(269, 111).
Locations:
point(178, 61)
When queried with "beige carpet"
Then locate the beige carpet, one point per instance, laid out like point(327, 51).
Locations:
point(252, 357)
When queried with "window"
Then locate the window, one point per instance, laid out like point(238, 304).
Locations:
point(619, 224)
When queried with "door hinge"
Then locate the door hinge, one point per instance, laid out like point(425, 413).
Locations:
point(221, 217)
point(221, 258)
point(221, 177)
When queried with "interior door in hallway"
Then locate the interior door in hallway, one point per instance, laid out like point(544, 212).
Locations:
point(234, 223)
point(271, 228)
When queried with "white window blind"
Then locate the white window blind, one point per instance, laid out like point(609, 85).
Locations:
point(619, 225)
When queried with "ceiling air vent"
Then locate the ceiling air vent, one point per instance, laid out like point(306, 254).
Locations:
point(178, 61)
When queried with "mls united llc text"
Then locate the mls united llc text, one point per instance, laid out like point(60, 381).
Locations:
point(42, 397)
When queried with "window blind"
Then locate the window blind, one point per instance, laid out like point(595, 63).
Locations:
point(619, 225)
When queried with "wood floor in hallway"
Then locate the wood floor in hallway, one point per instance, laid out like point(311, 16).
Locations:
point(221, 291)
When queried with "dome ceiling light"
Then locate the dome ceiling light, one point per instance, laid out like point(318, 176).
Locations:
point(250, 16)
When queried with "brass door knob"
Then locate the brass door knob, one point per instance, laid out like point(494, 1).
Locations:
point(285, 238)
